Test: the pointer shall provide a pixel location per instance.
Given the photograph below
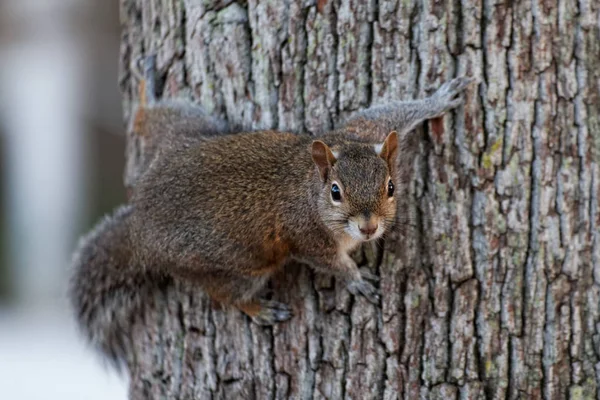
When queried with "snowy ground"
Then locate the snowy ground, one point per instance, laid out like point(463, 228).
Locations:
point(43, 357)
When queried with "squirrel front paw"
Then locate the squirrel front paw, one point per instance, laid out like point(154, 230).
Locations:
point(365, 288)
point(449, 95)
point(365, 273)
point(271, 312)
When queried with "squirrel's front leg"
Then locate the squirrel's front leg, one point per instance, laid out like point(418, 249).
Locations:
point(357, 279)
point(345, 268)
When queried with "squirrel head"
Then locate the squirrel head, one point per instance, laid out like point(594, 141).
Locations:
point(357, 182)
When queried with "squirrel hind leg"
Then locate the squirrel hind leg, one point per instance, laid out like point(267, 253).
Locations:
point(266, 312)
point(243, 294)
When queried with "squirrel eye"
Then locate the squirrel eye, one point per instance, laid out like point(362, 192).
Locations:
point(336, 194)
point(390, 188)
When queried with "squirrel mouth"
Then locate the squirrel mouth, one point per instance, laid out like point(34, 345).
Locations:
point(372, 236)
point(353, 230)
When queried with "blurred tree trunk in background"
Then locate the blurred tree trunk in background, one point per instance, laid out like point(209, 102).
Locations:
point(496, 292)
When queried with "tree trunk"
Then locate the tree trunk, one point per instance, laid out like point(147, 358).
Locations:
point(496, 291)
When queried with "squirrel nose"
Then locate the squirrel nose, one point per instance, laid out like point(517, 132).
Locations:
point(369, 228)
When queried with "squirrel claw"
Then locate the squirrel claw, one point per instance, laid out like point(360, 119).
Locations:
point(450, 93)
point(366, 274)
point(272, 312)
point(364, 288)
point(456, 85)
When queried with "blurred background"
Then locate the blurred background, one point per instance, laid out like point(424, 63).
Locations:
point(61, 165)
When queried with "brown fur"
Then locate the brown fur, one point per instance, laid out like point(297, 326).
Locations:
point(107, 291)
point(245, 204)
point(226, 212)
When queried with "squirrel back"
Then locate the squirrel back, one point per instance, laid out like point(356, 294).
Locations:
point(216, 192)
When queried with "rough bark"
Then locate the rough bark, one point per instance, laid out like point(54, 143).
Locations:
point(496, 291)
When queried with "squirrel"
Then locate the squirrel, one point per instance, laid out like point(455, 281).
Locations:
point(226, 210)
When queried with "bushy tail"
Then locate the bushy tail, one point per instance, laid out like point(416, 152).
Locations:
point(108, 292)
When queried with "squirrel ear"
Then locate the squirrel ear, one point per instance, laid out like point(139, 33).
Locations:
point(323, 157)
point(389, 149)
